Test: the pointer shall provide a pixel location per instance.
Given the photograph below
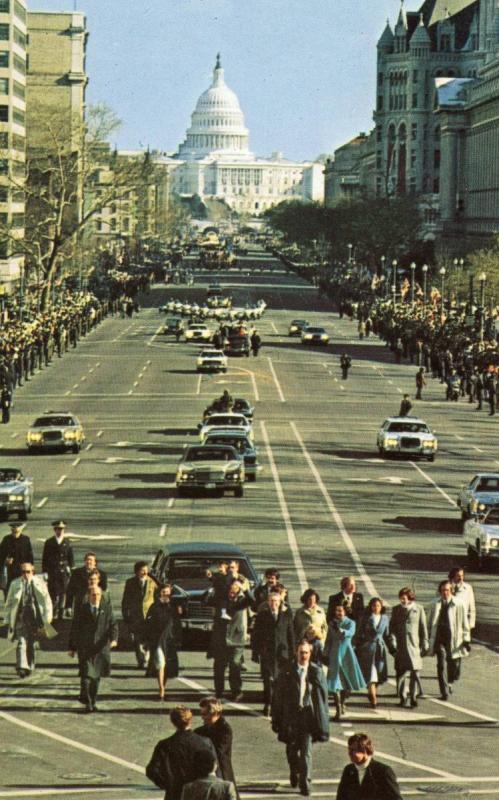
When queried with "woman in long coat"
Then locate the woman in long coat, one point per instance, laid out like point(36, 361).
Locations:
point(343, 674)
point(408, 643)
point(311, 613)
point(371, 647)
point(162, 633)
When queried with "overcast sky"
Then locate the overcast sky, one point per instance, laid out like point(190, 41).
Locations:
point(304, 70)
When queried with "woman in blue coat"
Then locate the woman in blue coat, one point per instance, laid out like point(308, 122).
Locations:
point(371, 645)
point(343, 672)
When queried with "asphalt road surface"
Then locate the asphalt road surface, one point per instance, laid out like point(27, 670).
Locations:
point(324, 505)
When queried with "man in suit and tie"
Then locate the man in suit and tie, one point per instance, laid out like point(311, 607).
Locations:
point(78, 583)
point(351, 600)
point(138, 597)
point(94, 633)
point(300, 714)
point(273, 642)
point(366, 778)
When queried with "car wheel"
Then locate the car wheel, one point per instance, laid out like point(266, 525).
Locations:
point(238, 491)
point(464, 516)
point(431, 458)
point(76, 448)
point(251, 478)
point(23, 515)
point(181, 491)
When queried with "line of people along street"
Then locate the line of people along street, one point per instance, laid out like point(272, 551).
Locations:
point(309, 658)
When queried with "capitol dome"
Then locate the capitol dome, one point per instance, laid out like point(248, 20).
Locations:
point(217, 124)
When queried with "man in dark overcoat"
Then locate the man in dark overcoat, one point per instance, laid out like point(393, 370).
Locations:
point(15, 549)
point(138, 597)
point(78, 583)
point(94, 633)
point(174, 760)
point(366, 778)
point(216, 728)
point(273, 642)
point(351, 600)
point(57, 563)
point(300, 714)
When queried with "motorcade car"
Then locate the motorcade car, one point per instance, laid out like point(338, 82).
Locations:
point(225, 420)
point(296, 326)
point(480, 494)
point(55, 430)
point(211, 360)
point(406, 436)
point(242, 406)
point(481, 537)
point(198, 332)
point(242, 444)
point(238, 344)
point(173, 325)
point(217, 467)
point(16, 493)
point(313, 334)
point(187, 567)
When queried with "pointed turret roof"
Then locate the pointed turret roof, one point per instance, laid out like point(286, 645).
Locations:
point(386, 38)
point(420, 36)
point(402, 18)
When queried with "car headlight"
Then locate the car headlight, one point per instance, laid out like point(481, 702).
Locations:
point(494, 542)
point(234, 475)
point(308, 336)
point(391, 442)
point(35, 437)
point(430, 443)
point(15, 498)
point(189, 335)
point(70, 434)
point(481, 507)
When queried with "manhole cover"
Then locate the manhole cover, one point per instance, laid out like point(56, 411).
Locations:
point(84, 776)
point(444, 789)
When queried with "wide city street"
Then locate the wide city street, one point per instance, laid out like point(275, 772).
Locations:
point(324, 505)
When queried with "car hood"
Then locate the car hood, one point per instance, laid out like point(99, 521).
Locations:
point(487, 498)
point(219, 466)
point(12, 486)
point(491, 530)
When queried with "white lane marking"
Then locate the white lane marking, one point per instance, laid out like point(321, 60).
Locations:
point(391, 382)
point(430, 480)
point(76, 462)
point(98, 363)
point(461, 438)
point(75, 385)
point(276, 381)
point(84, 378)
point(163, 529)
point(399, 390)
point(171, 502)
point(198, 388)
point(404, 761)
point(99, 434)
point(42, 502)
point(68, 392)
point(91, 370)
point(47, 734)
point(88, 447)
point(151, 340)
point(14, 435)
point(148, 362)
point(131, 391)
point(136, 383)
point(478, 449)
point(335, 515)
point(470, 713)
point(61, 480)
point(274, 328)
point(293, 544)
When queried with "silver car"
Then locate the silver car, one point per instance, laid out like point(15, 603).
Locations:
point(213, 467)
point(481, 537)
point(16, 493)
point(480, 494)
point(55, 430)
point(406, 436)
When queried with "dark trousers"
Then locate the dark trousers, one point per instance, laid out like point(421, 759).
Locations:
point(448, 668)
point(89, 688)
point(268, 677)
point(232, 659)
point(299, 750)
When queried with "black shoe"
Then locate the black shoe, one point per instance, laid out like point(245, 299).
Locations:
point(306, 790)
point(237, 696)
point(414, 703)
point(293, 779)
point(266, 711)
point(88, 710)
point(444, 696)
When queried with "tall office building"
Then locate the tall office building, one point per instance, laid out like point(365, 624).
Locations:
point(12, 140)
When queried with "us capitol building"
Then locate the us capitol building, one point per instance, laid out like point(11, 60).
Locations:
point(215, 161)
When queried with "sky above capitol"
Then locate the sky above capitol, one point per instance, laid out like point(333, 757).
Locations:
point(304, 70)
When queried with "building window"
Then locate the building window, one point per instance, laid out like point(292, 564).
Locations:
point(18, 196)
point(380, 102)
point(19, 37)
point(4, 32)
point(18, 116)
point(412, 186)
point(379, 161)
point(4, 139)
point(414, 131)
point(4, 113)
point(19, 11)
point(4, 85)
point(18, 142)
point(19, 90)
point(18, 220)
point(5, 6)
point(414, 100)
point(415, 76)
point(4, 166)
point(18, 169)
point(436, 159)
point(380, 79)
point(4, 194)
point(436, 185)
point(413, 158)
point(379, 133)
point(19, 64)
point(4, 58)
point(445, 43)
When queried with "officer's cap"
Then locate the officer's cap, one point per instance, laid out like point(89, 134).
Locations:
point(59, 523)
point(16, 525)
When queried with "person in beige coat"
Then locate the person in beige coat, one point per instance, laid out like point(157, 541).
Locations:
point(138, 596)
point(449, 636)
point(28, 609)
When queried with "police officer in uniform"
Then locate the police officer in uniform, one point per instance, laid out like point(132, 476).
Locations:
point(58, 563)
point(15, 549)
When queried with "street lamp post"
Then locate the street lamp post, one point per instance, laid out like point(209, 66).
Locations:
point(394, 280)
point(425, 273)
point(350, 248)
point(482, 278)
point(442, 288)
point(413, 277)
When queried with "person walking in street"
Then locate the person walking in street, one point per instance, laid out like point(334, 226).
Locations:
point(138, 597)
point(479, 389)
point(310, 613)
point(162, 634)
point(5, 403)
point(351, 600)
point(94, 633)
point(78, 583)
point(343, 671)
point(273, 643)
point(345, 364)
point(216, 728)
point(207, 785)
point(366, 778)
point(371, 648)
point(228, 638)
point(463, 592)
point(361, 329)
point(405, 406)
point(491, 390)
point(57, 563)
point(420, 383)
point(28, 609)
point(174, 759)
point(15, 549)
point(408, 643)
point(255, 342)
point(449, 633)
point(300, 714)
